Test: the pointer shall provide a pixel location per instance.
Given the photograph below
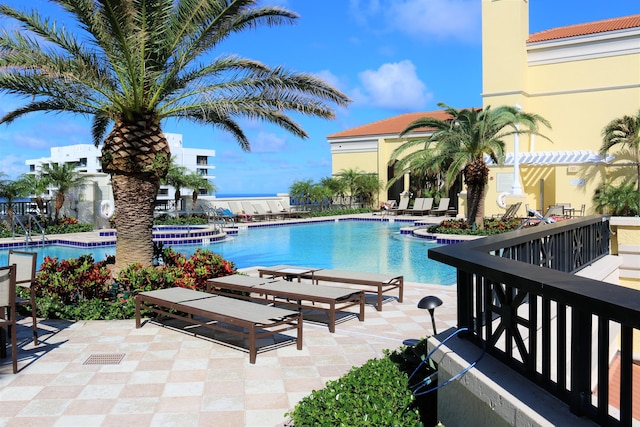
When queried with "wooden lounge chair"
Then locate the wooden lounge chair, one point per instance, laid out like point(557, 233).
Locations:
point(442, 208)
point(249, 320)
point(382, 282)
point(510, 213)
point(299, 295)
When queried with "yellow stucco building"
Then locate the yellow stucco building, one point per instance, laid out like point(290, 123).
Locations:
point(578, 77)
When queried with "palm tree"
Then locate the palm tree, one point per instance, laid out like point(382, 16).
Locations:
point(349, 178)
point(36, 185)
point(461, 143)
point(624, 131)
point(197, 183)
point(11, 190)
point(368, 185)
point(136, 63)
point(620, 200)
point(177, 178)
point(63, 177)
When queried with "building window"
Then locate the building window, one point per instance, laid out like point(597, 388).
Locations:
point(32, 168)
point(202, 160)
point(163, 192)
point(83, 162)
point(202, 171)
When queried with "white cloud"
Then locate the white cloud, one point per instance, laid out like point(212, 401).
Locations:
point(267, 143)
point(393, 85)
point(422, 19)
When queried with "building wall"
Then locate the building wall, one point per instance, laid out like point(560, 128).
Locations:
point(578, 84)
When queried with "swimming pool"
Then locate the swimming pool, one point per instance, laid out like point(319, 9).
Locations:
point(345, 245)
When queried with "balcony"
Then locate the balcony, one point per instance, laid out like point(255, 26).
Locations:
point(519, 299)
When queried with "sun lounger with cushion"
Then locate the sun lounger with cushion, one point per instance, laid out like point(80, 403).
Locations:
point(402, 207)
point(277, 210)
point(249, 320)
point(300, 295)
point(443, 207)
point(383, 282)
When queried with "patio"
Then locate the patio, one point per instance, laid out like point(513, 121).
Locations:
point(168, 377)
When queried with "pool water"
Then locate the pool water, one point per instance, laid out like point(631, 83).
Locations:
point(346, 245)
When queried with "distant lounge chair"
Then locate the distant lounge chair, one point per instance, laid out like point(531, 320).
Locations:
point(245, 217)
point(249, 320)
point(443, 207)
point(510, 213)
point(416, 207)
point(261, 212)
point(535, 218)
point(427, 204)
point(278, 210)
point(402, 207)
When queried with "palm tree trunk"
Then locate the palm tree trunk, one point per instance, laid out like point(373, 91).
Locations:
point(135, 198)
point(59, 204)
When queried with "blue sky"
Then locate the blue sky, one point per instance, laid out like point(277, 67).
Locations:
point(389, 56)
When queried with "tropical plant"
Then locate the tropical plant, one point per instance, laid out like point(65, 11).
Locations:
point(136, 63)
point(349, 178)
point(335, 187)
point(177, 178)
point(459, 145)
point(624, 132)
point(301, 191)
point(36, 185)
point(62, 176)
point(620, 200)
point(198, 183)
point(368, 186)
point(10, 191)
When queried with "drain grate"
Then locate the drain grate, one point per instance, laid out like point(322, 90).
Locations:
point(105, 359)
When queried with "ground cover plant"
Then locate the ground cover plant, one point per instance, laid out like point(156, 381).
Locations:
point(376, 393)
point(83, 289)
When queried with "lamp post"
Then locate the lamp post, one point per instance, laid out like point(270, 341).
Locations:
point(431, 302)
point(516, 189)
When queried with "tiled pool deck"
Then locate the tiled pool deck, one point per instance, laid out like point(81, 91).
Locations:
point(172, 378)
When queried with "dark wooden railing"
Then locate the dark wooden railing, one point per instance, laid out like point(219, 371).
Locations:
point(518, 296)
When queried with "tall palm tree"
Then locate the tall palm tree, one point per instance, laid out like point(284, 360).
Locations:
point(461, 143)
point(177, 178)
point(36, 185)
point(10, 191)
point(624, 131)
point(138, 62)
point(197, 183)
point(62, 176)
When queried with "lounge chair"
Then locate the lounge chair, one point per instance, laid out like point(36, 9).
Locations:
point(297, 211)
point(416, 207)
point(443, 207)
point(427, 205)
point(8, 313)
point(535, 218)
point(261, 212)
point(249, 320)
point(299, 295)
point(278, 210)
point(26, 267)
point(288, 272)
point(510, 213)
point(402, 207)
point(382, 282)
point(243, 216)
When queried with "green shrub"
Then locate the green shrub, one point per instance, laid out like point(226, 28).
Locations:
point(79, 288)
point(375, 394)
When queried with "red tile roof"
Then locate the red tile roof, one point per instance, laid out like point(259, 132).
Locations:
point(390, 126)
point(586, 28)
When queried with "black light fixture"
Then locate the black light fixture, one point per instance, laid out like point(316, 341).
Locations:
point(431, 302)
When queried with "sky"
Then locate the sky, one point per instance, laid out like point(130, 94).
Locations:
point(389, 56)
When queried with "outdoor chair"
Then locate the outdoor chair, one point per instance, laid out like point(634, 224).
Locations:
point(8, 313)
point(402, 206)
point(442, 208)
point(25, 263)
